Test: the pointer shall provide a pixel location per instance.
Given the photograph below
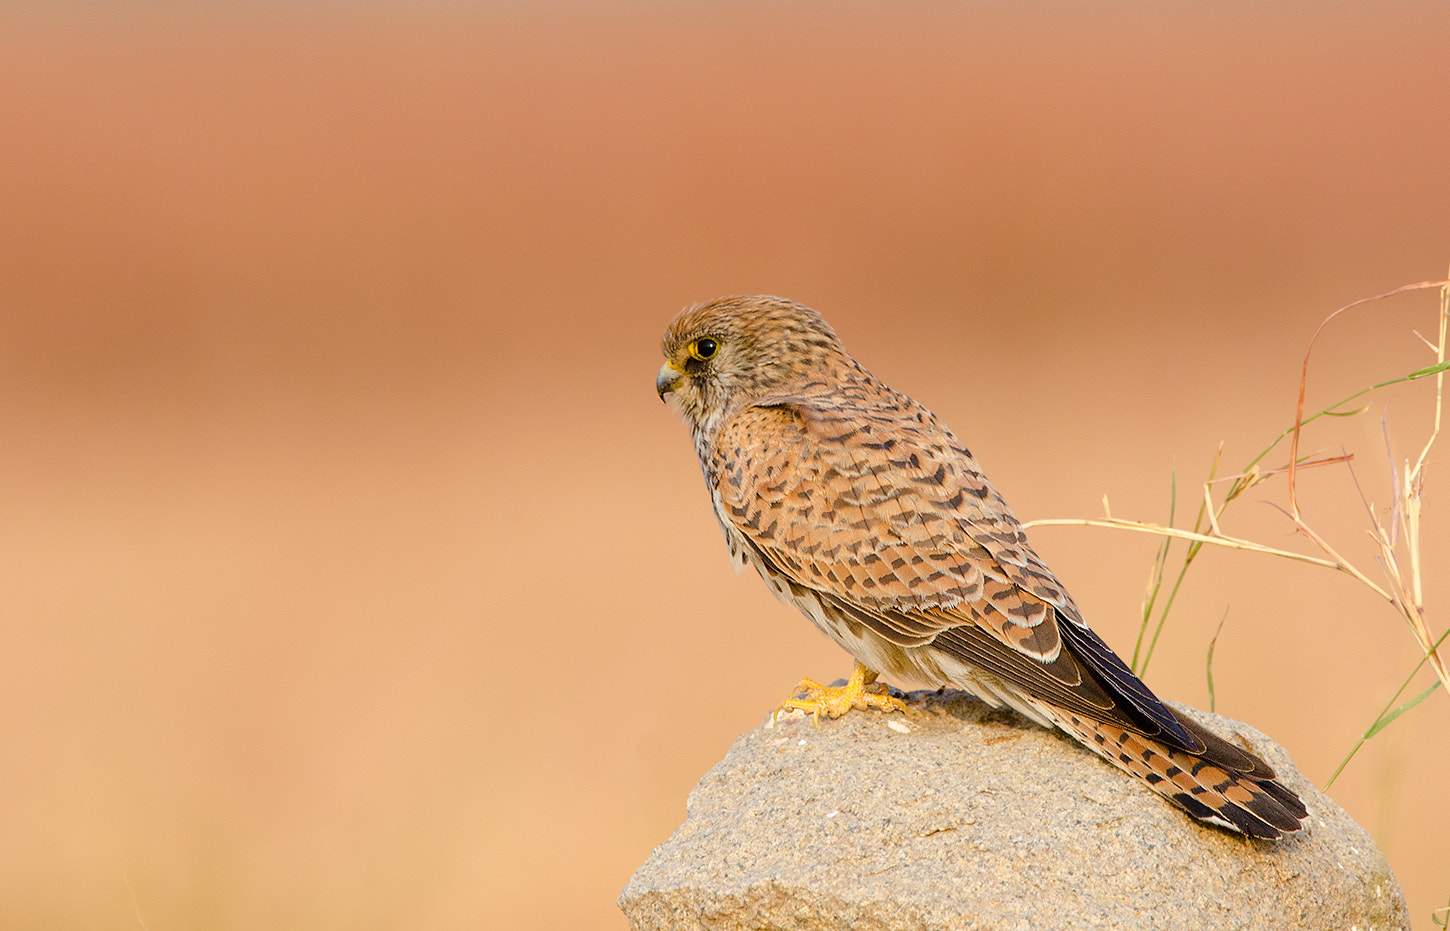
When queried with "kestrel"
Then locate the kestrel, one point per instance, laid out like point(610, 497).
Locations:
point(860, 508)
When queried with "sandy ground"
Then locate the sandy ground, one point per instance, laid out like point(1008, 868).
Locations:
point(351, 574)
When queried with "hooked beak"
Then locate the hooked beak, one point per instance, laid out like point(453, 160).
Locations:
point(666, 380)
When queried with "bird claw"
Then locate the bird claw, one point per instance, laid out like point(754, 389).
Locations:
point(860, 691)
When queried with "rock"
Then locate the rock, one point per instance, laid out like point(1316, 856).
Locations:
point(955, 815)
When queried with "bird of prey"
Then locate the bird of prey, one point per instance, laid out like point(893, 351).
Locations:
point(857, 506)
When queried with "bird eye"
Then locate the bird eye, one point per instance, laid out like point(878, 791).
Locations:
point(703, 349)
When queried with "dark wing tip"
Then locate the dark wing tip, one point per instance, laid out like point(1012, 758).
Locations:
point(1101, 659)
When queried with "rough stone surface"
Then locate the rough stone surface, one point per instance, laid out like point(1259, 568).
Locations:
point(959, 816)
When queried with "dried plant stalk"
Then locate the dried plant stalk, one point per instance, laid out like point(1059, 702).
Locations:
point(1397, 541)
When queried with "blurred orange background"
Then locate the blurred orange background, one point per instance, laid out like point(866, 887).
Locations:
point(353, 576)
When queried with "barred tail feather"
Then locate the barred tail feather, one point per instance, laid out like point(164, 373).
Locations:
point(1217, 782)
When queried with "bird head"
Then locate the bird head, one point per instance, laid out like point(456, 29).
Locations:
point(737, 351)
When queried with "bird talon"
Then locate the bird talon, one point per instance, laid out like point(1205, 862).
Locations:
point(860, 691)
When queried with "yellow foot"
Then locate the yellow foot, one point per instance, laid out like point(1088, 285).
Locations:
point(860, 691)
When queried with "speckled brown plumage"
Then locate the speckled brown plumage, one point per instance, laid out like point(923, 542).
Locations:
point(861, 509)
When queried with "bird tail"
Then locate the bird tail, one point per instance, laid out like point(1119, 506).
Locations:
point(1216, 782)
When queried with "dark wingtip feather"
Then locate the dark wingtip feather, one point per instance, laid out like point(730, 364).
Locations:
point(1222, 753)
point(1098, 656)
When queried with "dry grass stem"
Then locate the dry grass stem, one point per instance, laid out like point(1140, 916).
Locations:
point(1234, 543)
point(1406, 593)
point(1396, 539)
